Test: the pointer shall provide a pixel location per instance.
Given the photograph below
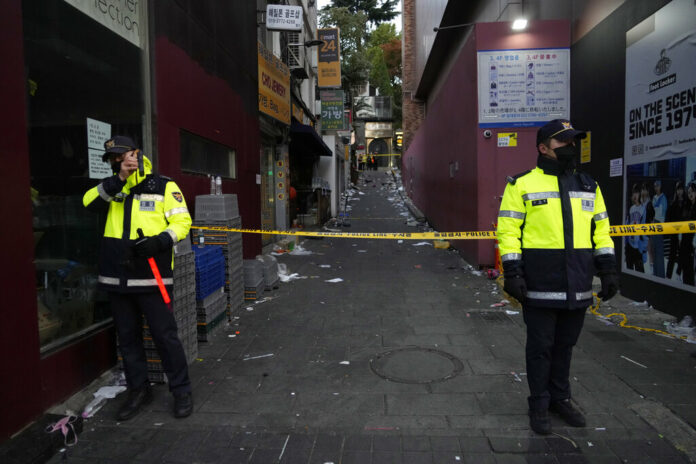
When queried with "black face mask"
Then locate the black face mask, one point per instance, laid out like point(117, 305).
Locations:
point(566, 155)
point(116, 167)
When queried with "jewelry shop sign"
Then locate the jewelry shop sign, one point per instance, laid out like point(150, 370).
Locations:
point(274, 86)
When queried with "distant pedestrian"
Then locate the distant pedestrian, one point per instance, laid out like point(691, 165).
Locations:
point(636, 246)
point(553, 232)
point(137, 199)
point(686, 246)
point(674, 214)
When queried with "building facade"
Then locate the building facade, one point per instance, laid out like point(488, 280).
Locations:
point(180, 78)
point(618, 71)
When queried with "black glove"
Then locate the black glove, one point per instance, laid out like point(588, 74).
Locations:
point(610, 285)
point(516, 287)
point(150, 246)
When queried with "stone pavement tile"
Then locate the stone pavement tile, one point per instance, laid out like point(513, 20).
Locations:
point(264, 456)
point(489, 422)
point(391, 443)
point(255, 403)
point(418, 340)
point(478, 458)
point(328, 443)
point(296, 456)
point(469, 445)
point(419, 424)
point(670, 394)
point(322, 457)
point(510, 459)
point(447, 457)
point(503, 402)
point(355, 457)
point(371, 383)
point(519, 445)
point(153, 452)
point(215, 455)
point(278, 383)
point(387, 457)
point(479, 383)
point(443, 443)
point(559, 445)
point(357, 443)
point(479, 352)
point(496, 366)
point(417, 457)
point(472, 340)
point(415, 443)
point(432, 404)
point(343, 403)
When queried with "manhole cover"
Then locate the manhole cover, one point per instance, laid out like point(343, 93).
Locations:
point(416, 365)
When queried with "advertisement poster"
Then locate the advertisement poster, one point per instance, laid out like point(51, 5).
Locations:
point(274, 86)
point(523, 88)
point(660, 143)
point(329, 69)
point(98, 132)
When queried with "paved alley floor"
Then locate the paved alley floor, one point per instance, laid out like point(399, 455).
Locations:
point(402, 361)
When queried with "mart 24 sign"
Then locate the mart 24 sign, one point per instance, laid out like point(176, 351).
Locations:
point(329, 58)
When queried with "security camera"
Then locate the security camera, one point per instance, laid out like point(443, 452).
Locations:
point(487, 134)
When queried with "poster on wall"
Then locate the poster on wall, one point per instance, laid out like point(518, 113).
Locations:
point(660, 143)
point(98, 132)
point(123, 17)
point(523, 88)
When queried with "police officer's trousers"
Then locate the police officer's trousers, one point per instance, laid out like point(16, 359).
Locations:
point(127, 310)
point(551, 335)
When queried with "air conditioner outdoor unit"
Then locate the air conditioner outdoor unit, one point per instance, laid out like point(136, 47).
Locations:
point(296, 50)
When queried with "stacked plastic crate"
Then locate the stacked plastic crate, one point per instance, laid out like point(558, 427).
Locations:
point(184, 308)
point(223, 211)
point(211, 300)
point(253, 279)
point(270, 271)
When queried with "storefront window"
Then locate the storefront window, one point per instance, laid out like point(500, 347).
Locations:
point(77, 69)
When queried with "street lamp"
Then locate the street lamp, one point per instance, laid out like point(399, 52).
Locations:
point(519, 24)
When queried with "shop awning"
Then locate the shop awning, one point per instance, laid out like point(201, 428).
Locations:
point(306, 139)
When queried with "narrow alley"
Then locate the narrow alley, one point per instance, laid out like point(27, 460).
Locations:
point(389, 351)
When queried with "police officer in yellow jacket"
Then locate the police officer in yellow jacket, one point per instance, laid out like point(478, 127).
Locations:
point(136, 198)
point(553, 233)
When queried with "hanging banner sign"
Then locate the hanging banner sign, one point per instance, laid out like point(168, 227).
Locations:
point(120, 16)
point(329, 68)
point(283, 18)
point(523, 88)
point(586, 148)
point(332, 114)
point(274, 86)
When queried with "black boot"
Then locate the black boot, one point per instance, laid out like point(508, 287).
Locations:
point(568, 413)
point(539, 421)
point(136, 399)
point(183, 404)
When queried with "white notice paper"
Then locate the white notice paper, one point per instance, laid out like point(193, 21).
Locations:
point(98, 132)
point(616, 167)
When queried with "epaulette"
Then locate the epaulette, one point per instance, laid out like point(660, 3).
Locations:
point(512, 180)
point(588, 183)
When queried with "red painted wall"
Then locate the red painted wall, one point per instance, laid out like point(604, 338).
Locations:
point(450, 133)
point(189, 98)
point(19, 334)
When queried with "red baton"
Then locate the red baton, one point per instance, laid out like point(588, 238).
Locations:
point(158, 277)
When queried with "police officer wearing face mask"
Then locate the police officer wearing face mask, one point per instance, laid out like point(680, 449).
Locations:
point(137, 198)
point(553, 234)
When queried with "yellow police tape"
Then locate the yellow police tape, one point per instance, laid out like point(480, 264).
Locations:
point(624, 321)
point(617, 231)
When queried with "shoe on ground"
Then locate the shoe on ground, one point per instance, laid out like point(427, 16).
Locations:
point(134, 402)
point(183, 404)
point(568, 413)
point(539, 421)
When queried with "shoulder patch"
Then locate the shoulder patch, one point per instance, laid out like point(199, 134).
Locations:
point(513, 179)
point(178, 196)
point(588, 183)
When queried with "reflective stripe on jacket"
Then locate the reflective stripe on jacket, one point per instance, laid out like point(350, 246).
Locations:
point(152, 203)
point(555, 225)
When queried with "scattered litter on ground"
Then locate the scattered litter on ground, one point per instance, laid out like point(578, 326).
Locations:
point(497, 305)
point(333, 281)
point(300, 251)
point(516, 377)
point(493, 274)
point(325, 265)
point(590, 444)
point(441, 244)
point(399, 241)
point(511, 313)
point(158, 424)
point(601, 429)
point(477, 273)
point(634, 362)
point(247, 357)
point(345, 362)
point(100, 397)
point(362, 251)
point(417, 266)
point(422, 243)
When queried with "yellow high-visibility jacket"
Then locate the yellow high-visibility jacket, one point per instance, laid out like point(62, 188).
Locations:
point(152, 203)
point(553, 228)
